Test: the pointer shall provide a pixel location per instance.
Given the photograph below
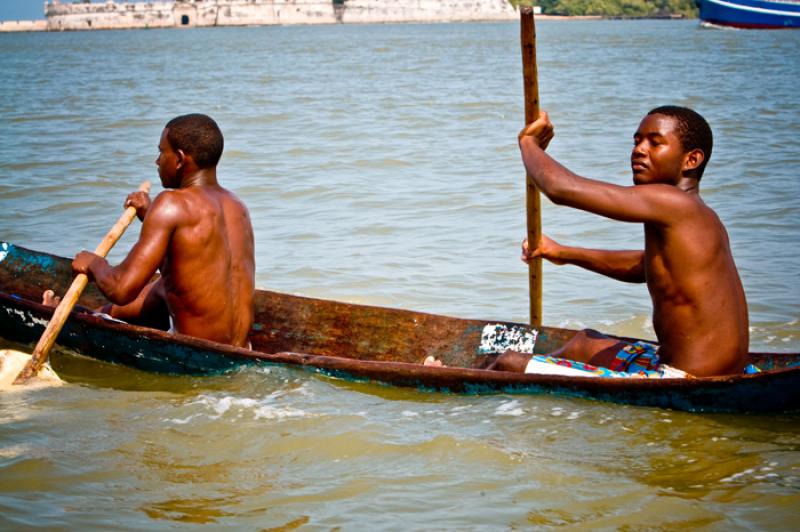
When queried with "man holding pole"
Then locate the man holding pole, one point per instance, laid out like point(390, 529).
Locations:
point(699, 307)
point(199, 237)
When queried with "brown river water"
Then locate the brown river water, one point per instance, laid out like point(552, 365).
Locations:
point(380, 166)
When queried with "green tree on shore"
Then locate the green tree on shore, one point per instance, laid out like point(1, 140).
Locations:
point(614, 8)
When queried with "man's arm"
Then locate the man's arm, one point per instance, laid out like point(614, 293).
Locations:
point(121, 284)
point(623, 265)
point(654, 203)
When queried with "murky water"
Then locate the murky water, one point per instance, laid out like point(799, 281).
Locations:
point(380, 165)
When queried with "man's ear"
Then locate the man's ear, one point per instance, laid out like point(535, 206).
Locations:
point(693, 160)
point(181, 159)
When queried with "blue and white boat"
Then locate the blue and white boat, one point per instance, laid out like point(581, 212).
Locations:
point(751, 14)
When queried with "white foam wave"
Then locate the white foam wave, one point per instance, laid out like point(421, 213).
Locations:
point(218, 407)
point(509, 408)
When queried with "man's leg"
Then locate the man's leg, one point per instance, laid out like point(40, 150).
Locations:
point(149, 309)
point(591, 347)
point(510, 361)
point(588, 346)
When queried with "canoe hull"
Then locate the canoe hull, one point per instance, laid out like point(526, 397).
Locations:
point(394, 337)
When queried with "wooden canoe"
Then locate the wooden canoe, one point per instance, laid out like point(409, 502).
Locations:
point(362, 343)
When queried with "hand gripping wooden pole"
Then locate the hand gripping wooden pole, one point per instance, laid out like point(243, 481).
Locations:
point(69, 300)
point(532, 201)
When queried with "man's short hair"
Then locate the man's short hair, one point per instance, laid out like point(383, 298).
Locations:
point(197, 135)
point(692, 129)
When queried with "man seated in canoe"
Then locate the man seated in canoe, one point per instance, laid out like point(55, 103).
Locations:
point(199, 237)
point(699, 307)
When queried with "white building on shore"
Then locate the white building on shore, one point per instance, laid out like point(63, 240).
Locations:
point(85, 15)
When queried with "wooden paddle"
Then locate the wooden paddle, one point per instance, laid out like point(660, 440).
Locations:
point(532, 201)
point(69, 300)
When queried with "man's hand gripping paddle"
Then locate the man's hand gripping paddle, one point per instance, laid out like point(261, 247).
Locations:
point(42, 350)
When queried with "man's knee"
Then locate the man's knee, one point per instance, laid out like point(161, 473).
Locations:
point(511, 361)
point(585, 345)
point(588, 337)
point(592, 334)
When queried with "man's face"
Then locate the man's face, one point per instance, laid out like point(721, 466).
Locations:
point(167, 163)
point(658, 155)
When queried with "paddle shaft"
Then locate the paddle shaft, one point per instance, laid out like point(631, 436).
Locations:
point(532, 199)
point(39, 357)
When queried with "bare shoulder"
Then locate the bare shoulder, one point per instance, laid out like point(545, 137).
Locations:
point(698, 227)
point(695, 206)
point(667, 193)
point(232, 201)
point(169, 204)
point(676, 205)
point(234, 198)
point(169, 198)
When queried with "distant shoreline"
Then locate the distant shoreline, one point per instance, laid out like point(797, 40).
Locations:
point(40, 25)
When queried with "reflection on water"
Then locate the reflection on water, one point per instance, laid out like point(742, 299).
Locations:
point(380, 166)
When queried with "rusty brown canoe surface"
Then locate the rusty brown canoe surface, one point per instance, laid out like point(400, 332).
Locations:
point(360, 342)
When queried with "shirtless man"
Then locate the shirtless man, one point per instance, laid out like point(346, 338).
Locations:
point(699, 307)
point(197, 234)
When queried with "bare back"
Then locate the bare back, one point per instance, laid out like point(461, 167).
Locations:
point(699, 306)
point(209, 267)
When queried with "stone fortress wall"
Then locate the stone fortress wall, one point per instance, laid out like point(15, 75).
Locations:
point(23, 25)
point(193, 13)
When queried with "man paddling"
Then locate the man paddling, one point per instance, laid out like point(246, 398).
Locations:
point(699, 307)
point(199, 237)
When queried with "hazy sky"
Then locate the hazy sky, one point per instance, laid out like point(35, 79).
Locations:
point(21, 9)
point(28, 9)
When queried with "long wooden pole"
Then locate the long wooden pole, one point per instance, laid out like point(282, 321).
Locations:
point(532, 201)
point(40, 353)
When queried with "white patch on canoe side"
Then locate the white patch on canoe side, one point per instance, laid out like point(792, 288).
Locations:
point(3, 251)
point(498, 338)
point(29, 319)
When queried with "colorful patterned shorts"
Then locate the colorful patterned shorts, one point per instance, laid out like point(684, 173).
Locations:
point(638, 360)
point(637, 357)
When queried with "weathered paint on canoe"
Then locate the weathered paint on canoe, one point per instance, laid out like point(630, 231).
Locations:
point(362, 343)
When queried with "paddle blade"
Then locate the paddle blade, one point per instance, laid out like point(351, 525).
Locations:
point(12, 362)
